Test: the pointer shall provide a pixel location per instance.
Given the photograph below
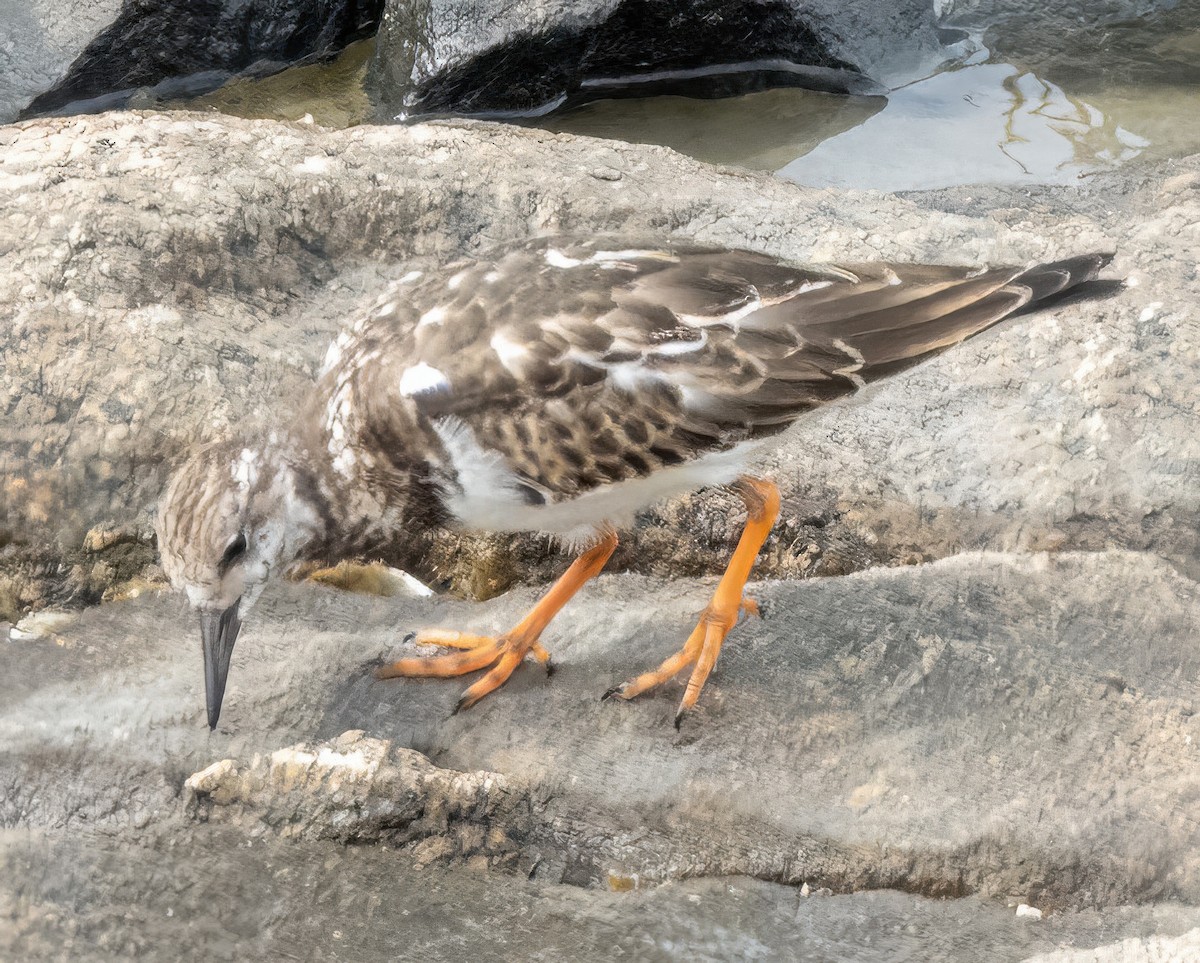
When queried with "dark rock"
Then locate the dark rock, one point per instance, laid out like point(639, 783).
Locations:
point(164, 49)
point(480, 57)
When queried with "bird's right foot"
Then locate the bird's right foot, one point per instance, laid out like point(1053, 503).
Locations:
point(502, 653)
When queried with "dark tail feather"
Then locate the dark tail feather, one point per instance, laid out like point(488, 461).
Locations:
point(1048, 280)
point(815, 348)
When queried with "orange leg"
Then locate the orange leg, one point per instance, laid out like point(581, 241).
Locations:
point(704, 644)
point(505, 652)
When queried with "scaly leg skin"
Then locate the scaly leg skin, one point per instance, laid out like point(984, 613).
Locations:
point(449, 639)
point(505, 652)
point(704, 644)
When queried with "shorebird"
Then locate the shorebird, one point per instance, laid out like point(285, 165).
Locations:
point(559, 385)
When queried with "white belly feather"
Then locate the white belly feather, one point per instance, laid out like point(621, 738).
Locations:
point(491, 497)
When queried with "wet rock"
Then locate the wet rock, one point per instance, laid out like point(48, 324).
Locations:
point(1091, 44)
point(87, 56)
point(479, 56)
point(356, 789)
point(1058, 17)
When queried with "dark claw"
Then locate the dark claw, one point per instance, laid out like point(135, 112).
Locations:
point(615, 690)
point(378, 665)
point(464, 702)
point(679, 718)
point(550, 667)
point(410, 637)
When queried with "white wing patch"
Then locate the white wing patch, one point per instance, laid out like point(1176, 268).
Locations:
point(607, 258)
point(851, 370)
point(489, 494)
point(630, 376)
point(245, 469)
point(333, 357)
point(731, 319)
point(556, 258)
point(668, 349)
point(816, 286)
point(422, 379)
point(432, 316)
point(511, 353)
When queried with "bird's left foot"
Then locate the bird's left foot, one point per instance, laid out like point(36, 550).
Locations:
point(704, 644)
point(501, 653)
point(700, 650)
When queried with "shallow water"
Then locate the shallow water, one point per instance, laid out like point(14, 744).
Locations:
point(1013, 115)
point(1026, 110)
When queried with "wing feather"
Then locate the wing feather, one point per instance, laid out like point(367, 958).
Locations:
point(583, 360)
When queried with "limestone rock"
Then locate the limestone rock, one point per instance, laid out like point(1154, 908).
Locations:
point(174, 277)
point(356, 789)
point(1022, 728)
point(1152, 949)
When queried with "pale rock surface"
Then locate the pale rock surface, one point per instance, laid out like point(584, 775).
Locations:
point(173, 277)
point(1011, 724)
point(993, 729)
point(1153, 949)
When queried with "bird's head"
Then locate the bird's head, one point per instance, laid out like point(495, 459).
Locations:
point(232, 516)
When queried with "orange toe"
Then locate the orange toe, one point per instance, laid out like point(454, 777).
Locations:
point(445, 666)
point(728, 603)
point(505, 652)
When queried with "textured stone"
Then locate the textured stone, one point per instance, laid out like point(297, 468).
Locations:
point(355, 788)
point(173, 278)
point(1018, 727)
point(1152, 949)
point(207, 895)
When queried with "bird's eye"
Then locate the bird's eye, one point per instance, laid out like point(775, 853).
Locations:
point(233, 551)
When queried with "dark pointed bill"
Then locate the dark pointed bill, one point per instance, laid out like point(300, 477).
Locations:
point(218, 632)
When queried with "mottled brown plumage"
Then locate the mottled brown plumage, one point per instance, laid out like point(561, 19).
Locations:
point(559, 385)
point(592, 362)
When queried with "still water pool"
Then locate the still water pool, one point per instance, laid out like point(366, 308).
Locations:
point(1024, 109)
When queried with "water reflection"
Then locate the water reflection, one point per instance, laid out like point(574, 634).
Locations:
point(763, 130)
point(982, 123)
point(1046, 121)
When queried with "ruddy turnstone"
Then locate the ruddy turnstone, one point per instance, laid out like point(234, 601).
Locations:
point(560, 385)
